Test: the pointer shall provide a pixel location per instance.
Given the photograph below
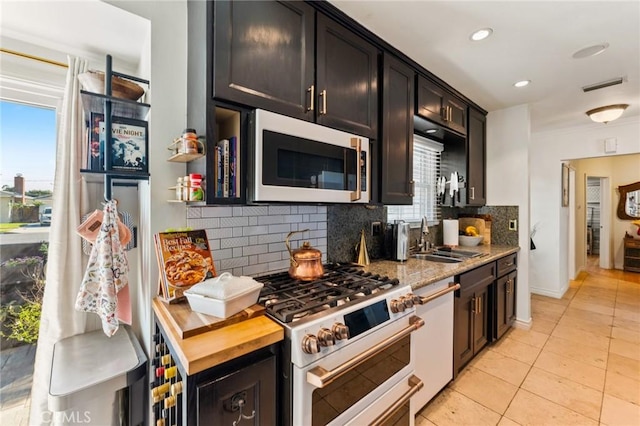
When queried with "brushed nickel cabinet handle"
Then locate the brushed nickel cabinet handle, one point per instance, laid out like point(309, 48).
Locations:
point(480, 304)
point(473, 193)
point(323, 95)
point(312, 94)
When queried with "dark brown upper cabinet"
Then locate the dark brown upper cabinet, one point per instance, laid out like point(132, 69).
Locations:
point(438, 105)
point(347, 79)
point(272, 55)
point(397, 132)
point(264, 55)
point(476, 153)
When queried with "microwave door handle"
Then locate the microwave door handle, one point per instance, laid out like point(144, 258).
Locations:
point(357, 144)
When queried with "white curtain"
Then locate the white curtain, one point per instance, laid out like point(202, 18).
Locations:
point(66, 261)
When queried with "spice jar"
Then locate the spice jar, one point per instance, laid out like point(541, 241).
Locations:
point(186, 188)
point(196, 193)
point(189, 141)
point(179, 190)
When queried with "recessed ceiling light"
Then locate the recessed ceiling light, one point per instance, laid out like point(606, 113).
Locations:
point(588, 51)
point(522, 83)
point(481, 34)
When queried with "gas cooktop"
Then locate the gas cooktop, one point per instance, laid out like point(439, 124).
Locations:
point(288, 300)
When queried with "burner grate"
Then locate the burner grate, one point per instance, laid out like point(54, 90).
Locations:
point(287, 299)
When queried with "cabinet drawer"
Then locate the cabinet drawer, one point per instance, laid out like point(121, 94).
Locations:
point(482, 276)
point(632, 243)
point(507, 264)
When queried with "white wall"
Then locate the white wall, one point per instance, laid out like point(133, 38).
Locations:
point(507, 172)
point(548, 149)
point(167, 72)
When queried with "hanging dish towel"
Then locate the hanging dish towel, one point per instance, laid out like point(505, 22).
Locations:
point(106, 274)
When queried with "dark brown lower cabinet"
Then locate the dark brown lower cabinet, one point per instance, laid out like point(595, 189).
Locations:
point(472, 314)
point(505, 298)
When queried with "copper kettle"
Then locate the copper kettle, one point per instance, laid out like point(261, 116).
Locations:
point(306, 261)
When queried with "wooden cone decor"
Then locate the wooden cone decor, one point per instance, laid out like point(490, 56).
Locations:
point(363, 256)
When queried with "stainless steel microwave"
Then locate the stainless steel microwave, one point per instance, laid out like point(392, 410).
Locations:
point(293, 160)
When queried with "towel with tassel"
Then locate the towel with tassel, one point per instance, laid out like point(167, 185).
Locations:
point(106, 275)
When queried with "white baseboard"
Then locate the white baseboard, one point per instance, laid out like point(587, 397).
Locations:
point(549, 293)
point(523, 325)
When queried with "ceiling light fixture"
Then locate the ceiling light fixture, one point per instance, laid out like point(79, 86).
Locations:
point(481, 34)
point(522, 83)
point(589, 51)
point(606, 114)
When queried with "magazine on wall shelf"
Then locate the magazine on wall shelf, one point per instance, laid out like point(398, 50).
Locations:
point(184, 259)
point(129, 145)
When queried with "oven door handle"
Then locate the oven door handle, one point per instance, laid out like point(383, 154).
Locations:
point(320, 377)
point(427, 299)
point(357, 144)
point(415, 384)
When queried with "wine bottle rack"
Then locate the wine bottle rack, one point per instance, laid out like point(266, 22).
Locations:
point(166, 385)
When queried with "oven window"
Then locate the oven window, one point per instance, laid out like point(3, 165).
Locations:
point(331, 401)
point(299, 162)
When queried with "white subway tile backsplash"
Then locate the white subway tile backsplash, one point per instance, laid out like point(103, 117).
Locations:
point(194, 213)
point(255, 210)
point(292, 218)
point(249, 240)
point(234, 242)
point(217, 211)
point(273, 229)
point(255, 230)
point(226, 222)
point(273, 210)
point(308, 209)
point(257, 249)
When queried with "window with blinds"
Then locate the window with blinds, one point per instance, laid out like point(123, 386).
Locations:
point(426, 169)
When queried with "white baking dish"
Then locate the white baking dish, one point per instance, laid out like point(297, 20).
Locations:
point(233, 294)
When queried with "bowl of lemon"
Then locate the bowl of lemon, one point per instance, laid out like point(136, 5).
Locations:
point(470, 237)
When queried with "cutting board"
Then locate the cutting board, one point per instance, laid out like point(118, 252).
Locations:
point(480, 226)
point(189, 323)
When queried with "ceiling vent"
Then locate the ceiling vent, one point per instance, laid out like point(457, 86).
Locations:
point(603, 84)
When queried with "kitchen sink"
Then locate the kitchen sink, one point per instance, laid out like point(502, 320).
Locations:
point(436, 258)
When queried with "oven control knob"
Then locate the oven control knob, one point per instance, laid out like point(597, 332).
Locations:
point(397, 305)
point(340, 331)
point(310, 344)
point(407, 300)
point(325, 337)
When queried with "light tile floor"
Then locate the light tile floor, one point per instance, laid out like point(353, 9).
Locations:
point(16, 374)
point(579, 364)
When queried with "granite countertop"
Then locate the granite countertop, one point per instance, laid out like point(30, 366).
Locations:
point(420, 273)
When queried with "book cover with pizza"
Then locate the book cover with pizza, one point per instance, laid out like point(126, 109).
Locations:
point(184, 259)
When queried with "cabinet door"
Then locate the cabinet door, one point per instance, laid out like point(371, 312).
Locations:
point(501, 306)
point(396, 171)
point(476, 150)
point(463, 326)
point(481, 319)
point(218, 401)
point(455, 114)
point(430, 100)
point(347, 79)
point(263, 55)
point(510, 306)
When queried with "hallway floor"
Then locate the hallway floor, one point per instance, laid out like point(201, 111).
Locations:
point(579, 364)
